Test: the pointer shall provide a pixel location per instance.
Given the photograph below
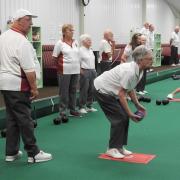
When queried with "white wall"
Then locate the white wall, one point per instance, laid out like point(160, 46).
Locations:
point(123, 15)
point(51, 15)
point(159, 13)
point(118, 15)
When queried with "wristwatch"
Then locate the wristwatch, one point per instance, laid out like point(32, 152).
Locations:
point(85, 2)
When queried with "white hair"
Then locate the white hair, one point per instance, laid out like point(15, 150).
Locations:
point(177, 27)
point(83, 37)
point(140, 51)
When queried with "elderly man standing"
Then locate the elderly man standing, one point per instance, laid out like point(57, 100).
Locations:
point(174, 42)
point(111, 89)
point(140, 88)
point(18, 86)
point(145, 29)
point(151, 37)
point(107, 47)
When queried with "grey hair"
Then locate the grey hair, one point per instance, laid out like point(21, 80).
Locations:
point(140, 51)
point(107, 31)
point(83, 37)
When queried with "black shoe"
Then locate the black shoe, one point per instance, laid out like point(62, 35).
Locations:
point(75, 114)
point(64, 119)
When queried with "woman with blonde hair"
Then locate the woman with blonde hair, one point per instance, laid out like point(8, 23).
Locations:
point(66, 54)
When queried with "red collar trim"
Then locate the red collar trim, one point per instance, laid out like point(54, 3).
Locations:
point(17, 30)
point(67, 42)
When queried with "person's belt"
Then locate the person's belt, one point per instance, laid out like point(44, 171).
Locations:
point(87, 69)
point(106, 60)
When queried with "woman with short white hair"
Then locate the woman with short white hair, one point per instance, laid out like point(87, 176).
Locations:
point(110, 90)
point(87, 74)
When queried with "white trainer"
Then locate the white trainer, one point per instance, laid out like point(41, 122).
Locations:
point(170, 96)
point(114, 153)
point(91, 109)
point(125, 152)
point(128, 98)
point(140, 93)
point(151, 70)
point(83, 111)
point(145, 92)
point(14, 157)
point(40, 157)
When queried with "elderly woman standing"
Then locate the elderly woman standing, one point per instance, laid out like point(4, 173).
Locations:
point(66, 54)
point(87, 75)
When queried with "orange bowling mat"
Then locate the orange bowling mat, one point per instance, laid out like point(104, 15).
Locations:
point(134, 158)
point(174, 100)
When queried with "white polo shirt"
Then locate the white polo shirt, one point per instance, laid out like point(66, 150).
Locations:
point(16, 57)
point(175, 39)
point(68, 57)
point(128, 52)
point(151, 40)
point(144, 31)
point(105, 48)
point(125, 75)
point(87, 58)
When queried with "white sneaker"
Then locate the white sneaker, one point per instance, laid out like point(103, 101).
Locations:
point(83, 111)
point(145, 92)
point(14, 157)
point(125, 152)
point(173, 65)
point(114, 153)
point(151, 70)
point(128, 98)
point(91, 109)
point(40, 157)
point(170, 96)
point(140, 93)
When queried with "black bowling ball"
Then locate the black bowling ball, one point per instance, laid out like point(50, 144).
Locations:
point(158, 102)
point(57, 121)
point(64, 119)
point(147, 99)
point(144, 99)
point(165, 102)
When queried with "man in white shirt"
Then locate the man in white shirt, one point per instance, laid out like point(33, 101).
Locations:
point(145, 29)
point(107, 47)
point(111, 89)
point(174, 42)
point(140, 88)
point(18, 86)
point(151, 37)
